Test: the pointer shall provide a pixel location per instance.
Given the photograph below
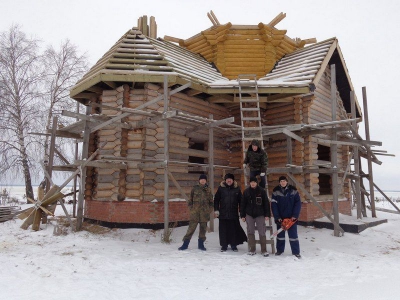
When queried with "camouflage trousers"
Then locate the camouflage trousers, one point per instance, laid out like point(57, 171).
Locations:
point(192, 229)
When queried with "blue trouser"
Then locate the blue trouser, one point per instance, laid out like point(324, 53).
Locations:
point(293, 240)
point(262, 181)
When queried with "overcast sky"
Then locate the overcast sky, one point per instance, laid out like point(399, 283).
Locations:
point(368, 34)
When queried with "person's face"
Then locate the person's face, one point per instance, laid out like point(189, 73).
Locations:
point(254, 147)
point(203, 181)
point(253, 184)
point(283, 183)
point(229, 181)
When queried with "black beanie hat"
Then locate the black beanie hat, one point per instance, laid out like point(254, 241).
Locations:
point(253, 179)
point(255, 142)
point(282, 178)
point(203, 176)
point(229, 175)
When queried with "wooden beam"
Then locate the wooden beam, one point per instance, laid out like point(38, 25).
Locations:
point(221, 122)
point(178, 186)
point(277, 19)
point(102, 164)
point(211, 165)
point(112, 120)
point(166, 159)
point(173, 39)
point(387, 198)
point(61, 156)
point(292, 135)
point(369, 153)
point(334, 154)
point(315, 202)
point(211, 19)
point(84, 155)
point(214, 17)
point(357, 186)
point(161, 96)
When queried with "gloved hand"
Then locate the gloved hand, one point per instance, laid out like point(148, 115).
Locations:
point(244, 166)
point(262, 174)
point(216, 213)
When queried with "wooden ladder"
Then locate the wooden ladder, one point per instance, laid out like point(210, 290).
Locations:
point(250, 115)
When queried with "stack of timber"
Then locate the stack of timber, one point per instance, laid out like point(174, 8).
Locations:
point(8, 212)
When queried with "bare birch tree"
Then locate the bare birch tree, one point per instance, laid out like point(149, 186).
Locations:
point(20, 78)
point(63, 67)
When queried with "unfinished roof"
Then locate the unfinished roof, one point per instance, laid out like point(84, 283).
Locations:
point(236, 49)
point(137, 58)
point(306, 66)
point(243, 49)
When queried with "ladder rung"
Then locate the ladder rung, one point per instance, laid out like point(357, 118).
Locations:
point(248, 100)
point(248, 91)
point(251, 118)
point(252, 128)
point(247, 83)
point(250, 109)
point(249, 138)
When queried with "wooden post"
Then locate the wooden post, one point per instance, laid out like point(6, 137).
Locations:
point(50, 164)
point(211, 167)
point(51, 152)
point(301, 187)
point(289, 150)
point(369, 153)
point(363, 206)
point(166, 159)
point(356, 158)
point(334, 160)
point(76, 177)
point(85, 152)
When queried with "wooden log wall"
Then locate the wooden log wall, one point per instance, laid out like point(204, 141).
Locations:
point(91, 177)
point(110, 183)
point(242, 49)
point(147, 143)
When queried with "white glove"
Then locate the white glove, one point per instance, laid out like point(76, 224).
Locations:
point(262, 174)
point(244, 166)
point(216, 213)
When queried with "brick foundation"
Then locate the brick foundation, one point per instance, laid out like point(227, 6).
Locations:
point(310, 212)
point(132, 212)
point(135, 212)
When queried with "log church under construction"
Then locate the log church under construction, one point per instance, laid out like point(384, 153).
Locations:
point(161, 111)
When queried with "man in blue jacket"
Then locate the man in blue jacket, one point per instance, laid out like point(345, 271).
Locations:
point(285, 203)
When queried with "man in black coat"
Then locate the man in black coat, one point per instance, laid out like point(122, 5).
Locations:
point(255, 210)
point(226, 208)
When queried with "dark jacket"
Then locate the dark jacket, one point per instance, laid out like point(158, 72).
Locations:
point(285, 202)
point(200, 203)
point(255, 203)
point(227, 200)
point(257, 160)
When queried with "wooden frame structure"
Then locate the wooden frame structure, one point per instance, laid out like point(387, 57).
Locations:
point(144, 86)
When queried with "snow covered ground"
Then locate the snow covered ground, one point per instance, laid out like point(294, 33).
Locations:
point(135, 264)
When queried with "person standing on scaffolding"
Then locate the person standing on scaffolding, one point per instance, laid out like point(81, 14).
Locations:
point(257, 159)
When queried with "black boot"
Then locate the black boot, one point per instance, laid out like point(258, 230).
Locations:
point(201, 245)
point(185, 245)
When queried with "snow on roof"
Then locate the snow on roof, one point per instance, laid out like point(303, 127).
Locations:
point(297, 69)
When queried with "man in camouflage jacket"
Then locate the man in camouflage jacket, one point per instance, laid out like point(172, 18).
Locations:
point(257, 159)
point(200, 206)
